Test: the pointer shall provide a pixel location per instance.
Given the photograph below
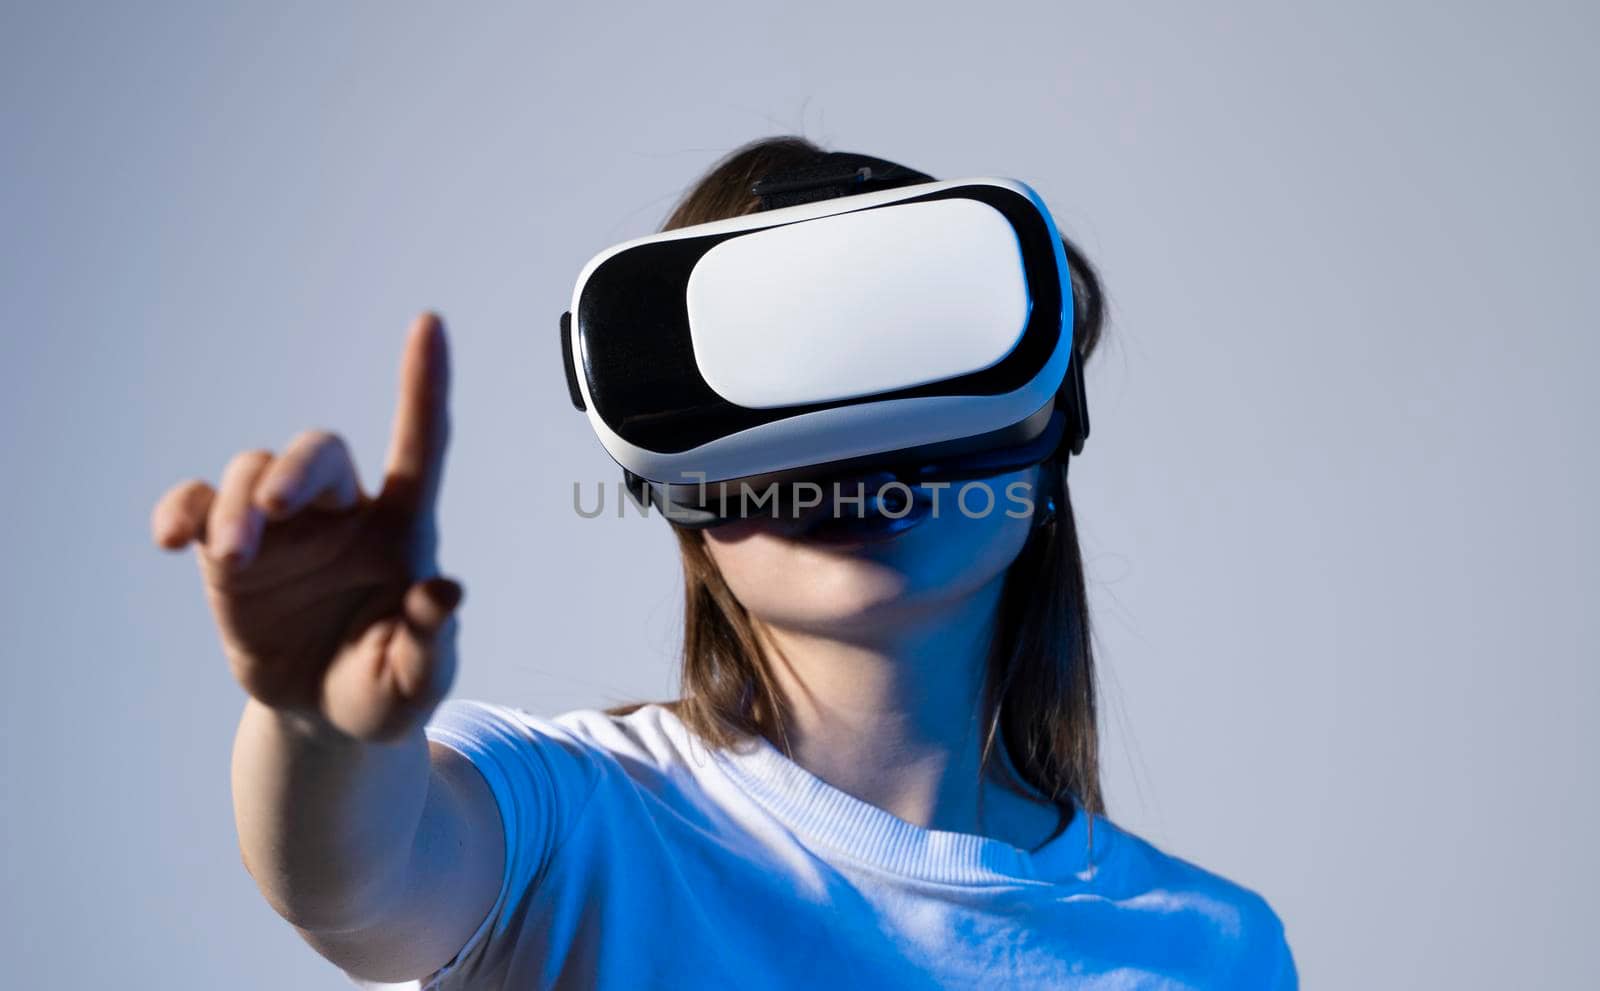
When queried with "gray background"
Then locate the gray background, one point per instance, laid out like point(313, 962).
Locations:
point(1337, 506)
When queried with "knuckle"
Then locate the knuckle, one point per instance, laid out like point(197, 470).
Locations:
point(170, 499)
point(194, 498)
point(247, 460)
point(337, 442)
point(318, 437)
point(182, 492)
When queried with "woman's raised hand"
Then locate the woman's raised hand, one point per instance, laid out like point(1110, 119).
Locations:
point(328, 600)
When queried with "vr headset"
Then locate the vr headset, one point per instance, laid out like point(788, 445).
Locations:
point(866, 319)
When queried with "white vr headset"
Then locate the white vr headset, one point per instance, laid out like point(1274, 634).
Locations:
point(866, 319)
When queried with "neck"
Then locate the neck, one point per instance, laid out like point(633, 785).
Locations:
point(894, 720)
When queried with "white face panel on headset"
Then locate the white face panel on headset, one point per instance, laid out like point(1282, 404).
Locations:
point(913, 295)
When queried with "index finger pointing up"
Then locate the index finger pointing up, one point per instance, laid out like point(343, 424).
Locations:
point(421, 419)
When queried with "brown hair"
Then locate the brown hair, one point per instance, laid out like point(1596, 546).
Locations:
point(1039, 685)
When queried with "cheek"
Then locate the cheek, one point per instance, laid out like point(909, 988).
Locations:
point(956, 550)
point(749, 558)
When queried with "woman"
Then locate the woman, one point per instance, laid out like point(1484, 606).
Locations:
point(882, 772)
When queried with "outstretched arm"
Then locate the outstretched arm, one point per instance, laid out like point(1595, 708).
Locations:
point(335, 621)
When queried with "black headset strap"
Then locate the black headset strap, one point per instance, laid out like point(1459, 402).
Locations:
point(833, 174)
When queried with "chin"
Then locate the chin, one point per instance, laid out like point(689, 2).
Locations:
point(869, 588)
point(836, 593)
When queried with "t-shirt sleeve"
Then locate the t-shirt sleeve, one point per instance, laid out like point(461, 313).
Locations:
point(1283, 975)
point(1265, 960)
point(542, 777)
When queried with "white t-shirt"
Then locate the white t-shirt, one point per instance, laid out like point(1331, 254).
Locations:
point(638, 857)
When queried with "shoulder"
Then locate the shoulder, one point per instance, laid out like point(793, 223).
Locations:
point(648, 731)
point(1232, 926)
point(582, 744)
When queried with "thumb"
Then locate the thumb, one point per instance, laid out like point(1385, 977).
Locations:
point(382, 691)
point(430, 604)
point(421, 659)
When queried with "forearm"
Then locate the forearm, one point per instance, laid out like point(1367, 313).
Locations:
point(327, 824)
